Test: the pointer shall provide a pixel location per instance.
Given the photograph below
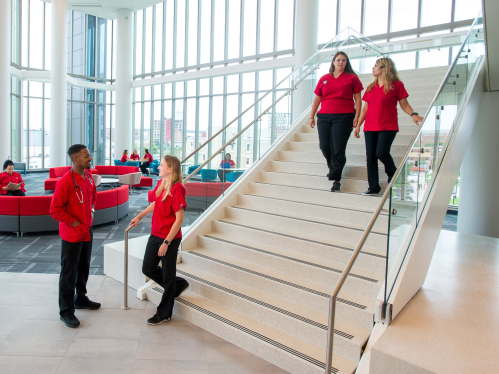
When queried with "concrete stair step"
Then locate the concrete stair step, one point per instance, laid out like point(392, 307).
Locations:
point(400, 139)
point(320, 170)
point(368, 259)
point(316, 231)
point(355, 309)
point(318, 158)
point(284, 350)
point(275, 312)
point(318, 197)
point(312, 182)
point(293, 263)
point(352, 148)
point(329, 215)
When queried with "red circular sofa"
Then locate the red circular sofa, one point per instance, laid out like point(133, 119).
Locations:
point(104, 170)
point(32, 213)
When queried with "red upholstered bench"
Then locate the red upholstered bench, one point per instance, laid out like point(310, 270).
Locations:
point(123, 197)
point(34, 212)
point(200, 196)
point(106, 209)
point(144, 182)
point(9, 213)
point(56, 173)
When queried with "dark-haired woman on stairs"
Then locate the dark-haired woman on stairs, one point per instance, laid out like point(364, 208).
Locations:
point(338, 94)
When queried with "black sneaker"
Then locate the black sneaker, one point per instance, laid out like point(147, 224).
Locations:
point(184, 288)
point(336, 186)
point(70, 321)
point(87, 304)
point(156, 320)
point(390, 179)
point(370, 192)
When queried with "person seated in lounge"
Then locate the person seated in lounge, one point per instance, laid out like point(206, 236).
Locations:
point(145, 166)
point(134, 156)
point(222, 172)
point(10, 176)
point(125, 158)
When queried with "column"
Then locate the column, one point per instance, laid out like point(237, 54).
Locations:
point(306, 40)
point(5, 39)
point(58, 84)
point(479, 181)
point(124, 77)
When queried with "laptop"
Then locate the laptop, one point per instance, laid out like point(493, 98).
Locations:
point(226, 165)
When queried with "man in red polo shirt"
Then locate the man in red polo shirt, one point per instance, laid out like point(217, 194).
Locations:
point(73, 206)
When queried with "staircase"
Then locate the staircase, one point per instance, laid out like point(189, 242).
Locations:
point(261, 278)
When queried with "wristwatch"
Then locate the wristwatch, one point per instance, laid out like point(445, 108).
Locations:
point(166, 242)
point(414, 113)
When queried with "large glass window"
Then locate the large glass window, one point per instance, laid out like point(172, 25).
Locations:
point(327, 20)
point(376, 17)
point(404, 15)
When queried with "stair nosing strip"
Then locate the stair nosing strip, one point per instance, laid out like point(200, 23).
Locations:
point(303, 239)
point(367, 279)
point(297, 286)
point(303, 220)
point(266, 305)
point(255, 334)
point(313, 189)
point(309, 175)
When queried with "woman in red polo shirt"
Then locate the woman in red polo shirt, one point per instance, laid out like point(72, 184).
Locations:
point(145, 165)
point(338, 93)
point(380, 113)
point(10, 176)
point(125, 158)
point(166, 235)
point(135, 156)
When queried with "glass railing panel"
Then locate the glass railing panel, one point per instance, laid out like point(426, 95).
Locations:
point(421, 167)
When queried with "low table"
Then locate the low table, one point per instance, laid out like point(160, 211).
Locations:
point(109, 181)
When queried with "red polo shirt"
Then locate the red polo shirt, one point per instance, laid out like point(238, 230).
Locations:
point(123, 158)
point(382, 108)
point(149, 157)
point(6, 178)
point(163, 216)
point(135, 157)
point(337, 93)
point(66, 207)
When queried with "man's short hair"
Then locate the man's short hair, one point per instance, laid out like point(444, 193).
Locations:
point(74, 149)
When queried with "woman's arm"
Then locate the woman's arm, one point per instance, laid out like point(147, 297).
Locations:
point(142, 215)
point(358, 106)
point(361, 120)
point(179, 219)
point(406, 107)
point(315, 105)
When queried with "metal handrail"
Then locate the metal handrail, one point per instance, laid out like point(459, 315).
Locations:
point(125, 271)
point(261, 114)
point(348, 267)
point(324, 48)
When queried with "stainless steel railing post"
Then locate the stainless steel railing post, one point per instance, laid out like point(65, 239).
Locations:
point(125, 271)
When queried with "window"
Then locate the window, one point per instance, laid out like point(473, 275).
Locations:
point(248, 147)
point(376, 17)
point(247, 161)
point(404, 15)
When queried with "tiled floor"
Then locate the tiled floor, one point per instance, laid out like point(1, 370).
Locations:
point(109, 340)
point(40, 252)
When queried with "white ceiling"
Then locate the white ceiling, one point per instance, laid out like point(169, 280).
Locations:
point(107, 8)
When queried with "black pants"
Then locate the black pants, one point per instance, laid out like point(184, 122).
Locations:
point(15, 193)
point(222, 174)
point(165, 275)
point(378, 144)
point(144, 167)
point(334, 132)
point(75, 267)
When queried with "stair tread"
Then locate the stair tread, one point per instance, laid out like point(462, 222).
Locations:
point(306, 237)
point(368, 203)
point(294, 345)
point(364, 303)
point(289, 214)
point(316, 319)
point(337, 267)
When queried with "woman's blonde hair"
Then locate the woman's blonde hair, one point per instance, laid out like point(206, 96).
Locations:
point(175, 177)
point(391, 74)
